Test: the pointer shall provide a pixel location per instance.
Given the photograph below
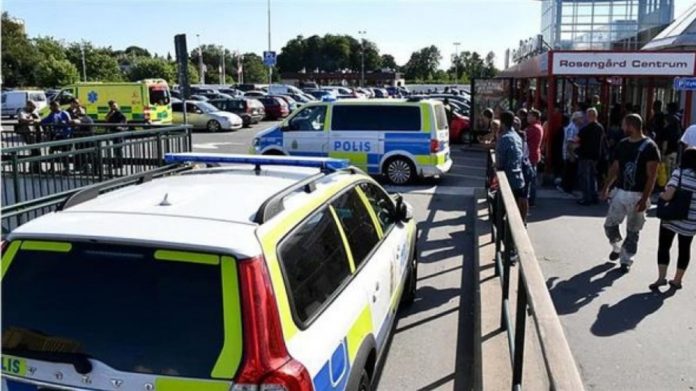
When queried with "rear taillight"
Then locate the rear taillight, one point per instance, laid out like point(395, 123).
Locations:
point(434, 146)
point(267, 365)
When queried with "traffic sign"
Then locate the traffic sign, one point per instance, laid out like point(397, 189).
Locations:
point(269, 58)
point(685, 84)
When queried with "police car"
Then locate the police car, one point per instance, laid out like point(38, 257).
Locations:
point(402, 139)
point(262, 273)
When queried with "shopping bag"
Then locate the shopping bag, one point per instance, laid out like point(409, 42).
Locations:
point(662, 176)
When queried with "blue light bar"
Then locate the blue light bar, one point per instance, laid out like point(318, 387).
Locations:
point(212, 158)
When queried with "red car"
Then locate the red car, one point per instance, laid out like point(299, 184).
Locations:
point(276, 108)
point(458, 127)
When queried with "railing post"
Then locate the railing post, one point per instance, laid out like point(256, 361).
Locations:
point(507, 238)
point(15, 184)
point(189, 139)
point(160, 154)
point(99, 163)
point(520, 332)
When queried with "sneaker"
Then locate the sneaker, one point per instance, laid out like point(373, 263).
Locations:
point(615, 251)
point(624, 268)
point(613, 256)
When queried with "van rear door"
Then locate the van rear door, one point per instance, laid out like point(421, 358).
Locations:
point(441, 134)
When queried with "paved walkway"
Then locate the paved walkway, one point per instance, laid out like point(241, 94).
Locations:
point(623, 336)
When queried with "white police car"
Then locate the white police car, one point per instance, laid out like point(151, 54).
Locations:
point(272, 273)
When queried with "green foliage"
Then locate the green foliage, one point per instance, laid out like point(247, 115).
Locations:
point(470, 65)
point(19, 56)
point(55, 73)
point(101, 63)
point(389, 62)
point(329, 53)
point(423, 64)
point(152, 68)
point(253, 69)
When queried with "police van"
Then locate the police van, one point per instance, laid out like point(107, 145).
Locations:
point(263, 273)
point(402, 139)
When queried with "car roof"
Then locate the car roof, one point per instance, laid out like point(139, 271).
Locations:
point(202, 208)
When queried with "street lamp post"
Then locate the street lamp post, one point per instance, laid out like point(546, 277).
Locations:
point(270, 68)
point(362, 57)
point(222, 77)
point(455, 59)
point(200, 60)
point(84, 67)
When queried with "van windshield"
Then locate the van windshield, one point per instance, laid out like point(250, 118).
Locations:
point(126, 306)
point(159, 95)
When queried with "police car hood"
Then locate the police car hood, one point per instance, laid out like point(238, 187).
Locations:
point(272, 131)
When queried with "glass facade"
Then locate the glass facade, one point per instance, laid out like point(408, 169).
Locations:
point(603, 24)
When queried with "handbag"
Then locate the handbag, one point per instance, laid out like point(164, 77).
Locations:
point(662, 176)
point(679, 206)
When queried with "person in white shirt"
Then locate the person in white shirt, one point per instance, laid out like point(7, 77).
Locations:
point(689, 136)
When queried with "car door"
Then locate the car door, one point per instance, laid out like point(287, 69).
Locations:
point(356, 135)
point(195, 116)
point(305, 134)
point(374, 258)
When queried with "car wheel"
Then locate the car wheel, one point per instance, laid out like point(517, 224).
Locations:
point(213, 126)
point(400, 171)
point(364, 384)
point(409, 295)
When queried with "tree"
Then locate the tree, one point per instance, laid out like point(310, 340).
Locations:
point(135, 51)
point(55, 73)
point(329, 53)
point(153, 68)
point(212, 59)
point(388, 62)
point(101, 63)
point(292, 56)
point(253, 69)
point(471, 65)
point(423, 64)
point(19, 56)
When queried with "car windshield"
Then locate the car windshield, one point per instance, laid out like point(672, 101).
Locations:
point(135, 308)
point(206, 107)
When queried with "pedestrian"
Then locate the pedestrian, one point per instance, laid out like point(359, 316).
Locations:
point(491, 138)
point(522, 115)
point(669, 142)
point(58, 123)
point(634, 171)
point(685, 179)
point(535, 134)
point(115, 116)
point(657, 122)
point(689, 136)
point(589, 153)
point(27, 127)
point(83, 128)
point(509, 156)
point(570, 166)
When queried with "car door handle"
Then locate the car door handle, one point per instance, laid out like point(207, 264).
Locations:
point(377, 286)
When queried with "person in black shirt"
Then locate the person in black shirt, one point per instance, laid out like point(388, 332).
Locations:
point(634, 171)
point(115, 116)
point(589, 153)
point(657, 122)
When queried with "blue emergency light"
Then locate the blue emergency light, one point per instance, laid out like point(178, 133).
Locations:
point(218, 158)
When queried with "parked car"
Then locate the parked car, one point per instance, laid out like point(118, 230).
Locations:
point(247, 109)
point(198, 98)
point(276, 108)
point(292, 103)
point(203, 115)
point(217, 95)
point(254, 94)
point(232, 92)
point(380, 93)
point(248, 87)
point(14, 101)
point(302, 98)
point(337, 90)
point(320, 94)
point(458, 128)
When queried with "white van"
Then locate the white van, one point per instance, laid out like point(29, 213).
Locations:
point(14, 101)
point(283, 89)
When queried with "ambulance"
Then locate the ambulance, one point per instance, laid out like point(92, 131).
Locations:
point(145, 101)
point(233, 273)
point(401, 139)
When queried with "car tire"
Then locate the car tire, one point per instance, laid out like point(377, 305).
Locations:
point(364, 384)
point(400, 171)
point(409, 295)
point(213, 126)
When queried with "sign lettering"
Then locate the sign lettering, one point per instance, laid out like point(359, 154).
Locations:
point(624, 63)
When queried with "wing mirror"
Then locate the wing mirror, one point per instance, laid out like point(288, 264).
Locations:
point(404, 210)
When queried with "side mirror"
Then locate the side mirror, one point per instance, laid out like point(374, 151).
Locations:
point(404, 210)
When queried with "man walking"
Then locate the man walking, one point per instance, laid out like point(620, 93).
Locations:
point(535, 133)
point(508, 157)
point(589, 152)
point(634, 170)
point(570, 158)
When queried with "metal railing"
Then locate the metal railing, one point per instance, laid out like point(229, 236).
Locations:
point(36, 177)
point(511, 239)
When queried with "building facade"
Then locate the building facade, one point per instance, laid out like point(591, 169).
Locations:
point(603, 24)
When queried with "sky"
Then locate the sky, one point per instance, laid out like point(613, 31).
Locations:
point(398, 27)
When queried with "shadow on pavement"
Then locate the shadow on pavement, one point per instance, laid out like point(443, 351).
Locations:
point(626, 314)
point(572, 294)
point(549, 208)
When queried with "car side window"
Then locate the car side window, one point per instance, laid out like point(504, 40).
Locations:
point(356, 222)
point(381, 203)
point(177, 107)
point(309, 119)
point(315, 263)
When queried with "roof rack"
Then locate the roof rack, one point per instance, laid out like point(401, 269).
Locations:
point(274, 204)
point(93, 191)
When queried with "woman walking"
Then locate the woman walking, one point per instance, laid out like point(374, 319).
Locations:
point(685, 229)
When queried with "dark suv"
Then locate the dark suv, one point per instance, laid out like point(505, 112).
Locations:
point(251, 110)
